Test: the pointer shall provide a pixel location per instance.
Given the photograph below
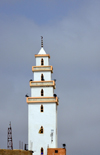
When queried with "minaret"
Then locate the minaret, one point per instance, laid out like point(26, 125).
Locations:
point(42, 106)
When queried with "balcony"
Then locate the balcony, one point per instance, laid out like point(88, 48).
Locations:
point(42, 55)
point(42, 68)
point(42, 100)
point(42, 84)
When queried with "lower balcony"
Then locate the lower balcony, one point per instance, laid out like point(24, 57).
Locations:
point(42, 100)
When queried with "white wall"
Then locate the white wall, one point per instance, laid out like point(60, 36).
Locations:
point(46, 61)
point(47, 76)
point(47, 119)
point(36, 91)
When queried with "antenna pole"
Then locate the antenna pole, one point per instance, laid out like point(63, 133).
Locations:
point(9, 138)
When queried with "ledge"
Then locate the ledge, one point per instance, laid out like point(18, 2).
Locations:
point(42, 84)
point(42, 68)
point(42, 100)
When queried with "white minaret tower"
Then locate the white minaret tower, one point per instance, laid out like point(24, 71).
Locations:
point(42, 106)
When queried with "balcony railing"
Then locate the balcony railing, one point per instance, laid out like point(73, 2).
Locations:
point(42, 55)
point(42, 68)
point(42, 99)
point(42, 84)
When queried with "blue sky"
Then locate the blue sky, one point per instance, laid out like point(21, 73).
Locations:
point(71, 31)
point(41, 12)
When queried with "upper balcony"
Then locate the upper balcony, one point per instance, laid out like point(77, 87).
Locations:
point(42, 84)
point(42, 55)
point(42, 68)
point(42, 100)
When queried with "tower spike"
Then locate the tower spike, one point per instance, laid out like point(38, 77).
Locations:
point(10, 124)
point(41, 41)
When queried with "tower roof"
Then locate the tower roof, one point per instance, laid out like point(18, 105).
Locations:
point(42, 51)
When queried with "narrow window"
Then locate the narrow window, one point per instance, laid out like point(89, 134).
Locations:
point(42, 77)
point(42, 92)
point(41, 150)
point(41, 108)
point(41, 130)
point(42, 61)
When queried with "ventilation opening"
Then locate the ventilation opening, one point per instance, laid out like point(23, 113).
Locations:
point(42, 62)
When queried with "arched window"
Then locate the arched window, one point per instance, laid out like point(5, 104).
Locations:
point(41, 130)
point(42, 92)
point(42, 151)
point(42, 61)
point(42, 77)
point(41, 108)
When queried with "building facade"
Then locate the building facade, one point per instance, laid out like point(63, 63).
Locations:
point(42, 107)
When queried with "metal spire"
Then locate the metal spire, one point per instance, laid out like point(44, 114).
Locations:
point(41, 41)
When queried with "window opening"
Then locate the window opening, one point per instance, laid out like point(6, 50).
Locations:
point(41, 108)
point(42, 92)
point(41, 150)
point(42, 61)
point(42, 77)
point(41, 130)
point(56, 151)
